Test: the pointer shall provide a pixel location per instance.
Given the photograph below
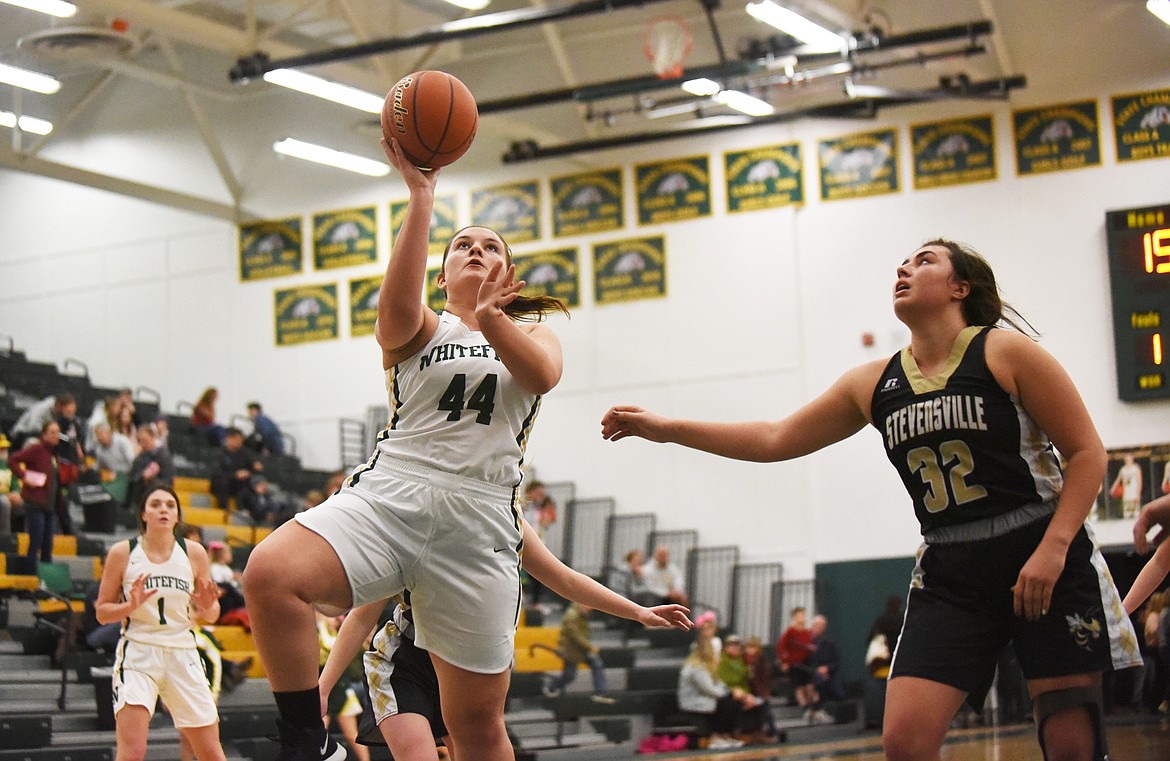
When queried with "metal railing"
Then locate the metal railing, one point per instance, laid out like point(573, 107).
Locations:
point(752, 612)
point(585, 535)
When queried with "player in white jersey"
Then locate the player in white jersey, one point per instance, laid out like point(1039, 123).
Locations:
point(434, 509)
point(152, 584)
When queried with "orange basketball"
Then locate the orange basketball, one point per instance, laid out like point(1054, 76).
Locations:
point(432, 115)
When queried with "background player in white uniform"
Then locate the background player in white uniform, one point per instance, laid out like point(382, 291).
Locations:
point(1129, 482)
point(941, 291)
point(151, 584)
point(405, 694)
point(434, 509)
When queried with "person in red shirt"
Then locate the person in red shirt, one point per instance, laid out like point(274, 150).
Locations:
point(793, 650)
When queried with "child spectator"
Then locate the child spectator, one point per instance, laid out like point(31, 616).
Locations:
point(735, 673)
point(9, 494)
point(793, 650)
point(576, 648)
point(700, 692)
point(232, 607)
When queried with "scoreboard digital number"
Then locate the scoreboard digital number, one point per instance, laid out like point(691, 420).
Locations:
point(1139, 278)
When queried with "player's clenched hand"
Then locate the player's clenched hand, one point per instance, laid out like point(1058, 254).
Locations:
point(1033, 590)
point(662, 616)
point(624, 421)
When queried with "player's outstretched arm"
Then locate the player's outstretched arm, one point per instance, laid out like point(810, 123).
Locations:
point(1154, 514)
point(1150, 578)
point(837, 414)
point(351, 638)
point(546, 568)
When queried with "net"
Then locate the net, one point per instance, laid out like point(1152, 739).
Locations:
point(667, 43)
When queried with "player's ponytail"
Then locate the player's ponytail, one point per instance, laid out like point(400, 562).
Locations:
point(983, 305)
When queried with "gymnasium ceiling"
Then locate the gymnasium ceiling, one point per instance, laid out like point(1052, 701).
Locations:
point(152, 112)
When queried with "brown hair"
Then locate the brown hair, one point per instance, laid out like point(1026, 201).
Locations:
point(983, 305)
point(146, 496)
point(522, 308)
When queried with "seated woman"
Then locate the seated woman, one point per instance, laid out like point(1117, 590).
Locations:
point(711, 702)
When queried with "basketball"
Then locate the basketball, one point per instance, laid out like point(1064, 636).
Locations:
point(432, 115)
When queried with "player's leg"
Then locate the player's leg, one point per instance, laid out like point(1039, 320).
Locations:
point(473, 709)
point(918, 714)
point(204, 741)
point(409, 737)
point(1069, 715)
point(132, 724)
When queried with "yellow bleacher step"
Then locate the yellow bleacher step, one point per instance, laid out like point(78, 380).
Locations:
point(204, 516)
point(544, 635)
point(195, 485)
point(63, 544)
point(238, 535)
point(541, 660)
point(20, 583)
point(257, 669)
point(56, 606)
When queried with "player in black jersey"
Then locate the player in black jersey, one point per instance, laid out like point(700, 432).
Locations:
point(972, 418)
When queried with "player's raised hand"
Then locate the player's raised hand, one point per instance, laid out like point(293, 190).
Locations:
point(139, 593)
point(627, 420)
point(414, 177)
point(205, 594)
point(498, 289)
point(1156, 513)
point(664, 616)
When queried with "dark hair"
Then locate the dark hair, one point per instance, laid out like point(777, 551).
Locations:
point(146, 495)
point(797, 609)
point(983, 305)
point(255, 406)
point(64, 398)
point(232, 431)
point(45, 425)
point(522, 308)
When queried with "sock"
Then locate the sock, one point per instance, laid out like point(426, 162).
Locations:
point(301, 708)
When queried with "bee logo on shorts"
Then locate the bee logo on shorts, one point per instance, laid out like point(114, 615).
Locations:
point(1083, 631)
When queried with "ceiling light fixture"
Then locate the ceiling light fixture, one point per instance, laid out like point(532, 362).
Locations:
point(744, 103)
point(57, 8)
point(471, 5)
point(816, 37)
point(1160, 8)
point(29, 80)
point(323, 88)
point(701, 86)
point(322, 155)
point(27, 123)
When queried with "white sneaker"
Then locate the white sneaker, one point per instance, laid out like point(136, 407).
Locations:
point(821, 716)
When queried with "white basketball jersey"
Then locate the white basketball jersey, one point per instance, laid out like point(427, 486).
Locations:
point(455, 407)
point(165, 619)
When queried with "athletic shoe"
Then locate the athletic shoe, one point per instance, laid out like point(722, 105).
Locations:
point(821, 716)
point(549, 691)
point(302, 744)
point(603, 699)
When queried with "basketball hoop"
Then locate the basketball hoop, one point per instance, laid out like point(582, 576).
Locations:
point(667, 42)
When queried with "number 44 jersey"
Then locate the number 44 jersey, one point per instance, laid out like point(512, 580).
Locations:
point(964, 448)
point(456, 408)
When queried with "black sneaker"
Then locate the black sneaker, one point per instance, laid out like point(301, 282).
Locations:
point(302, 744)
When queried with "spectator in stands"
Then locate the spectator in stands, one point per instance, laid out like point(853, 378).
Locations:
point(825, 661)
point(108, 411)
point(10, 501)
point(734, 672)
point(576, 648)
point(162, 427)
point(636, 588)
point(44, 481)
point(112, 452)
point(888, 626)
point(665, 579)
point(759, 662)
point(203, 417)
point(232, 471)
point(32, 421)
point(266, 437)
point(124, 424)
point(153, 467)
point(534, 495)
point(73, 431)
point(793, 650)
point(266, 503)
point(707, 625)
point(702, 693)
point(233, 609)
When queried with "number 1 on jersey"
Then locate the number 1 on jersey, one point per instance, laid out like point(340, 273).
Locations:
point(483, 399)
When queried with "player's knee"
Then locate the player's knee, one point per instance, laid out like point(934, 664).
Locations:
point(1070, 724)
point(903, 742)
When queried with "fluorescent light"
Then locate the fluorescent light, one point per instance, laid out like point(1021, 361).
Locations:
point(745, 103)
point(27, 123)
point(323, 88)
point(330, 157)
point(471, 5)
point(1160, 8)
point(818, 38)
point(701, 86)
point(29, 80)
point(57, 8)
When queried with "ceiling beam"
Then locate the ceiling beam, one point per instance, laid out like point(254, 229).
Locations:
point(174, 199)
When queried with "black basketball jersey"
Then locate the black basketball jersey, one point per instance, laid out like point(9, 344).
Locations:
point(964, 448)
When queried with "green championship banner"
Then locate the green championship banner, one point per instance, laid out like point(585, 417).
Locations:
point(551, 273)
point(669, 191)
point(629, 270)
point(345, 238)
point(363, 305)
point(1055, 138)
point(306, 313)
point(436, 296)
point(953, 152)
point(270, 249)
point(1141, 125)
point(513, 211)
point(763, 178)
point(443, 222)
point(590, 202)
point(863, 164)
